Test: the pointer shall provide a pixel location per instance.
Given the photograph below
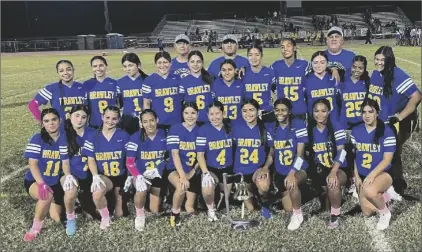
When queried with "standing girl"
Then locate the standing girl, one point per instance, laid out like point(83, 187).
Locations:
point(130, 92)
point(106, 153)
point(61, 95)
point(47, 158)
point(196, 87)
point(259, 81)
point(161, 92)
point(183, 166)
point(101, 91)
point(290, 77)
point(146, 154)
point(229, 90)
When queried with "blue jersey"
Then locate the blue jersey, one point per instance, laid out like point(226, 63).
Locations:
point(195, 90)
point(352, 96)
point(403, 88)
point(79, 163)
point(180, 138)
point(250, 152)
point(231, 97)
point(179, 68)
point(100, 95)
point(316, 88)
point(285, 141)
point(258, 86)
point(343, 60)
point(131, 92)
point(368, 154)
point(321, 145)
point(110, 155)
point(215, 66)
point(290, 83)
point(149, 153)
point(165, 97)
point(217, 146)
point(62, 97)
point(49, 158)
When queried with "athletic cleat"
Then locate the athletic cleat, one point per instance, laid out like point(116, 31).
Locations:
point(334, 222)
point(71, 227)
point(295, 222)
point(175, 220)
point(384, 221)
point(105, 223)
point(394, 195)
point(211, 215)
point(30, 235)
point(140, 223)
point(265, 212)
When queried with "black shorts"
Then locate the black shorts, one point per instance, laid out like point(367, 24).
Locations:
point(322, 173)
point(157, 183)
point(130, 124)
point(268, 116)
point(195, 185)
point(118, 181)
point(278, 181)
point(85, 185)
point(58, 193)
point(219, 173)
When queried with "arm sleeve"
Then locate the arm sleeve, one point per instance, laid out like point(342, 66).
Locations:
point(63, 148)
point(389, 142)
point(173, 139)
point(88, 148)
point(44, 95)
point(132, 145)
point(147, 89)
point(33, 149)
point(404, 84)
point(201, 140)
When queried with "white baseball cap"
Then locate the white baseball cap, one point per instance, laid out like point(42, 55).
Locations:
point(231, 37)
point(335, 29)
point(182, 37)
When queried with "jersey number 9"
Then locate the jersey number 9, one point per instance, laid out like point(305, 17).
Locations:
point(168, 103)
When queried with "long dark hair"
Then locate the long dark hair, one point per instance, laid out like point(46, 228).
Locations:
point(380, 128)
point(233, 64)
point(133, 58)
point(60, 81)
point(97, 57)
point(144, 112)
point(71, 135)
point(259, 48)
point(293, 42)
point(288, 104)
point(226, 122)
point(206, 77)
point(388, 71)
point(45, 136)
point(365, 76)
point(186, 105)
point(159, 55)
point(323, 54)
point(330, 130)
point(261, 125)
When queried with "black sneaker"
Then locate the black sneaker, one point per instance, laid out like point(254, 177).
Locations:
point(175, 220)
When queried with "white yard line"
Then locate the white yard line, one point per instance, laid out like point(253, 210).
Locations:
point(408, 61)
point(13, 174)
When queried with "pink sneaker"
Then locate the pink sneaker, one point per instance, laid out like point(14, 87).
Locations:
point(30, 235)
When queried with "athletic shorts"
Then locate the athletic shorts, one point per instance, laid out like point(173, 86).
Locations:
point(195, 185)
point(322, 174)
point(219, 173)
point(85, 185)
point(118, 181)
point(58, 193)
point(157, 183)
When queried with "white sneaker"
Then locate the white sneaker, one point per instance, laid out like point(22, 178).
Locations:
point(384, 221)
point(211, 215)
point(140, 223)
point(352, 188)
point(295, 222)
point(105, 223)
point(394, 195)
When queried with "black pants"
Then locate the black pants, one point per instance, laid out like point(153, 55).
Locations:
point(368, 40)
point(209, 48)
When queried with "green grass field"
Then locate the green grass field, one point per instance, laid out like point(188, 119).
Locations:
point(24, 74)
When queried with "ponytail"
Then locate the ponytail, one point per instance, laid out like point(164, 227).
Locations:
point(227, 126)
point(143, 74)
point(71, 135)
point(46, 137)
point(379, 131)
point(206, 77)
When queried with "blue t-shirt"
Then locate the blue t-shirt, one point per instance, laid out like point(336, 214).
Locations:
point(352, 96)
point(179, 68)
point(79, 163)
point(258, 86)
point(180, 138)
point(196, 90)
point(130, 90)
point(215, 66)
point(230, 96)
point(321, 145)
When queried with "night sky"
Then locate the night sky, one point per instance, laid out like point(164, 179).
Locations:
point(72, 18)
